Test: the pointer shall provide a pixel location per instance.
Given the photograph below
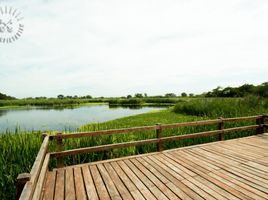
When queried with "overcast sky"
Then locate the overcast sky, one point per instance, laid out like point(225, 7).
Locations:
point(115, 48)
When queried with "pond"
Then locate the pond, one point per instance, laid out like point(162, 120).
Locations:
point(62, 118)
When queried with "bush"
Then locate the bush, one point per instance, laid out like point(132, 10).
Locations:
point(131, 101)
point(222, 107)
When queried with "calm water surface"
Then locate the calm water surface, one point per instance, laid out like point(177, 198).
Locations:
point(61, 118)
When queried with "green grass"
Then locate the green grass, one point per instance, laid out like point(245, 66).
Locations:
point(223, 107)
point(17, 155)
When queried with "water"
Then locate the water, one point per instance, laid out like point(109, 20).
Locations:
point(62, 118)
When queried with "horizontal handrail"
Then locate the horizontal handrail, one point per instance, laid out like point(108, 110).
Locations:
point(237, 119)
point(103, 147)
point(150, 141)
point(29, 188)
point(154, 127)
point(159, 140)
point(103, 132)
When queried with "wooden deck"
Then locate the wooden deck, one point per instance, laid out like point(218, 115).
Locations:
point(233, 169)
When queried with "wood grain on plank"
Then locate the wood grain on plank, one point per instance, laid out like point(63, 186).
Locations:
point(100, 185)
point(50, 186)
point(69, 184)
point(89, 184)
point(59, 189)
point(79, 184)
point(108, 182)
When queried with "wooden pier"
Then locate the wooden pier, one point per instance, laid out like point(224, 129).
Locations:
point(231, 169)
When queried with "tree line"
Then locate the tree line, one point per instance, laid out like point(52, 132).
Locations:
point(241, 91)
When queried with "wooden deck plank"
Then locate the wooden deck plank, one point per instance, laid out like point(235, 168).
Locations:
point(182, 171)
point(242, 185)
point(117, 181)
point(247, 168)
point(243, 148)
point(153, 170)
point(139, 184)
point(59, 188)
point(207, 166)
point(248, 182)
point(188, 164)
point(69, 184)
point(205, 188)
point(172, 176)
point(242, 151)
point(155, 180)
point(114, 194)
point(180, 193)
point(263, 161)
point(90, 186)
point(235, 169)
point(219, 150)
point(147, 182)
point(164, 176)
point(197, 189)
point(100, 185)
point(136, 194)
point(50, 186)
point(215, 188)
point(246, 194)
point(253, 148)
point(79, 184)
point(166, 170)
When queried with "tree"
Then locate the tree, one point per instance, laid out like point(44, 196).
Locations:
point(129, 96)
point(6, 97)
point(262, 90)
point(184, 94)
point(191, 95)
point(138, 95)
point(170, 95)
point(60, 96)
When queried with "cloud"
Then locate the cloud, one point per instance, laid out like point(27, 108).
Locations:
point(114, 48)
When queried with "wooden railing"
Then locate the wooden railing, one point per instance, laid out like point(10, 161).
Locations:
point(32, 183)
point(29, 185)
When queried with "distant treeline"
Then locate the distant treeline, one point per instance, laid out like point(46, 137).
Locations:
point(139, 98)
point(141, 101)
point(47, 102)
point(242, 91)
point(6, 97)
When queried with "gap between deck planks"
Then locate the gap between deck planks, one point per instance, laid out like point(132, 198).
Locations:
point(233, 169)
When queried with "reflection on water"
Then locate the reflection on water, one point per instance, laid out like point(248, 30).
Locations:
point(63, 118)
point(2, 112)
point(133, 107)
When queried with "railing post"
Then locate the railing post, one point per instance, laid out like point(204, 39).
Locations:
point(263, 122)
point(59, 148)
point(20, 183)
point(221, 127)
point(260, 122)
point(43, 136)
point(159, 136)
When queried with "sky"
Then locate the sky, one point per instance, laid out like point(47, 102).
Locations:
point(120, 47)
